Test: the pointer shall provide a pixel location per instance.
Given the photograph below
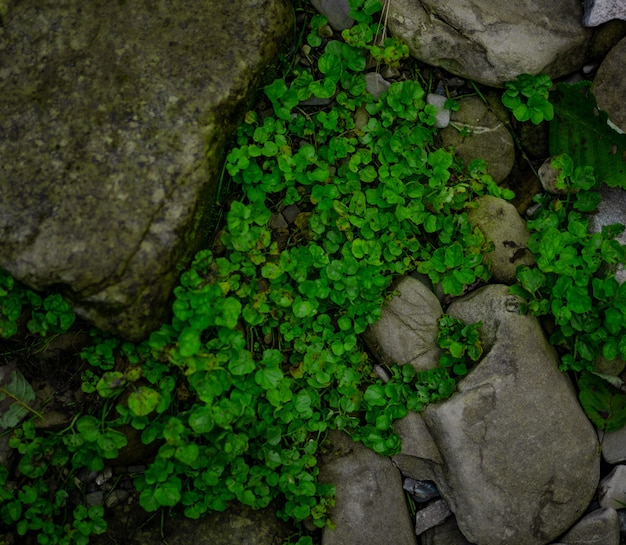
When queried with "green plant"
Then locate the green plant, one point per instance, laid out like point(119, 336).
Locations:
point(52, 314)
point(527, 98)
point(574, 280)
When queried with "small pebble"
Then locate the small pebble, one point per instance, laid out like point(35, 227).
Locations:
point(432, 515)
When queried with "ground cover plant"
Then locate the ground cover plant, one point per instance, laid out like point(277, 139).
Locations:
point(263, 355)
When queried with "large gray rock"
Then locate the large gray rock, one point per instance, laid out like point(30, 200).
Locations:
point(369, 505)
point(520, 459)
point(609, 86)
point(407, 329)
point(601, 11)
point(113, 121)
point(493, 42)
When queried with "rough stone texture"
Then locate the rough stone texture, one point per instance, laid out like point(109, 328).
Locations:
point(520, 459)
point(418, 457)
point(612, 209)
point(612, 489)
point(500, 223)
point(407, 329)
point(613, 445)
point(432, 515)
point(489, 139)
point(370, 505)
point(600, 527)
point(609, 86)
point(493, 42)
point(601, 11)
point(113, 119)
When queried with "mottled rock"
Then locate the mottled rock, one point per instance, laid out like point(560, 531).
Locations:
point(502, 225)
point(600, 527)
point(370, 505)
point(407, 329)
point(432, 515)
point(486, 138)
point(113, 121)
point(493, 42)
point(601, 11)
point(442, 119)
point(609, 86)
point(520, 458)
point(612, 489)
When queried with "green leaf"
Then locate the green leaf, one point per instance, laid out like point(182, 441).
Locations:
point(89, 427)
point(580, 130)
point(604, 404)
point(16, 394)
point(200, 419)
point(375, 395)
point(143, 400)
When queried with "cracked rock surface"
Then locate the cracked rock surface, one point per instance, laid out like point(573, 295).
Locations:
point(113, 119)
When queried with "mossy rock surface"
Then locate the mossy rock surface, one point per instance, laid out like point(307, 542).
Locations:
point(114, 118)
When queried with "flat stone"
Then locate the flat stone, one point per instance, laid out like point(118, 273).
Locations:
point(613, 445)
point(114, 118)
point(336, 11)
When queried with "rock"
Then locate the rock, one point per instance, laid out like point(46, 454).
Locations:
point(407, 329)
point(369, 505)
point(612, 489)
point(612, 209)
point(418, 458)
point(336, 11)
point(601, 11)
point(520, 459)
point(600, 527)
point(613, 445)
point(443, 115)
point(447, 533)
point(493, 43)
point(421, 491)
point(501, 224)
point(488, 138)
point(432, 515)
point(609, 87)
point(375, 84)
point(113, 121)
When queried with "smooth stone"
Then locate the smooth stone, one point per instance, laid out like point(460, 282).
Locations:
point(443, 115)
point(408, 327)
point(612, 489)
point(375, 84)
point(370, 506)
point(501, 224)
point(600, 527)
point(447, 533)
point(613, 445)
